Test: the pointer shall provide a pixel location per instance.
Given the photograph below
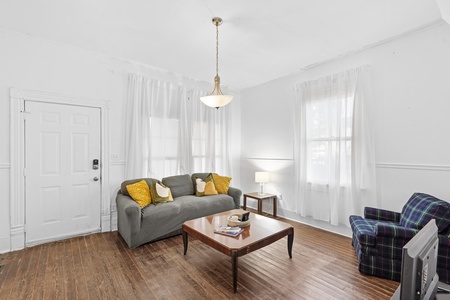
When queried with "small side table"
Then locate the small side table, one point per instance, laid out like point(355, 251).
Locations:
point(260, 198)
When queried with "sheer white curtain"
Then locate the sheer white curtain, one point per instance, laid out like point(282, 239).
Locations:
point(169, 131)
point(334, 168)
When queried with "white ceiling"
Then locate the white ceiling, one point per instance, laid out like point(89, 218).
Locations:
point(260, 40)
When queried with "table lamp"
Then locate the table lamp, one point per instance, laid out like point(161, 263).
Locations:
point(261, 178)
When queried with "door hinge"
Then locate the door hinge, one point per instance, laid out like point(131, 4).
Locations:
point(24, 172)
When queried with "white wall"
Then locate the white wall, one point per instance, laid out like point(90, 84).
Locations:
point(35, 64)
point(409, 117)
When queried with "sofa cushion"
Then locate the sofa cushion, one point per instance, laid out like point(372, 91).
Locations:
point(180, 185)
point(222, 183)
point(205, 187)
point(158, 220)
point(198, 175)
point(140, 192)
point(421, 208)
point(160, 193)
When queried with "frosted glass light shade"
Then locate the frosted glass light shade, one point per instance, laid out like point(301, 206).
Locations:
point(216, 100)
point(262, 177)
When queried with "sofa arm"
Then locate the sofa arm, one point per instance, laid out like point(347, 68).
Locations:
point(381, 214)
point(236, 194)
point(128, 217)
point(393, 230)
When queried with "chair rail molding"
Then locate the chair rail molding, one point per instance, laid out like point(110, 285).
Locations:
point(445, 168)
point(18, 96)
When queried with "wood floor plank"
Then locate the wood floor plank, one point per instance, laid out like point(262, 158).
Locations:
point(77, 278)
point(101, 266)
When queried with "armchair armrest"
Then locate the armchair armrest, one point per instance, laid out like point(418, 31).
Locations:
point(393, 230)
point(381, 214)
point(236, 194)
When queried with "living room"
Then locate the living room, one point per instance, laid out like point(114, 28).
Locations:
point(408, 62)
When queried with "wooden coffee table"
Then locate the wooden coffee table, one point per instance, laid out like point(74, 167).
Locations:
point(262, 231)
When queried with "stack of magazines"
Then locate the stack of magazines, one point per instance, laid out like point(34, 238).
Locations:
point(227, 230)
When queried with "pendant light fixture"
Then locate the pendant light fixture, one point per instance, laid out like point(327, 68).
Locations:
point(217, 98)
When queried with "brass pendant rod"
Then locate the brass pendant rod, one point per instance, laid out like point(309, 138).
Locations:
point(217, 49)
point(217, 21)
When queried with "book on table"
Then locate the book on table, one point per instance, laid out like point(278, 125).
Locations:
point(228, 230)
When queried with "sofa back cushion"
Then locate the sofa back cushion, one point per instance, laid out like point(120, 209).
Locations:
point(421, 208)
point(180, 185)
point(123, 186)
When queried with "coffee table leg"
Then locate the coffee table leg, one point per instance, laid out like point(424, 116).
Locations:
point(290, 243)
point(185, 241)
point(234, 262)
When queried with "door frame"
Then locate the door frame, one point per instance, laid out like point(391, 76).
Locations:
point(18, 97)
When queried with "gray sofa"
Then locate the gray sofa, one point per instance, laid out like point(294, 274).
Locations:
point(156, 222)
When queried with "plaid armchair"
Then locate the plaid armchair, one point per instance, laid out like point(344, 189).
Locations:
point(379, 237)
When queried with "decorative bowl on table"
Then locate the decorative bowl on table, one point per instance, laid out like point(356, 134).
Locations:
point(234, 222)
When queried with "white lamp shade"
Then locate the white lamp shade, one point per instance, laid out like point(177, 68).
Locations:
point(262, 177)
point(216, 100)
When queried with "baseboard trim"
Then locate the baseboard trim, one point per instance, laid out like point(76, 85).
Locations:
point(106, 223)
point(293, 216)
point(17, 238)
point(114, 221)
point(5, 245)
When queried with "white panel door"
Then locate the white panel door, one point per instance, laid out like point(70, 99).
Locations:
point(62, 188)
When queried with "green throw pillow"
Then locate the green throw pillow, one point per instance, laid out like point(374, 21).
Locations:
point(206, 187)
point(160, 193)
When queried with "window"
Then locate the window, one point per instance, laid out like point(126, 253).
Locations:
point(334, 172)
point(164, 147)
point(171, 132)
point(329, 139)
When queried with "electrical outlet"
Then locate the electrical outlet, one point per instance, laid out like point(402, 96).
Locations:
point(115, 156)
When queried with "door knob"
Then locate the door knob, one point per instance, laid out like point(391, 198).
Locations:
point(95, 178)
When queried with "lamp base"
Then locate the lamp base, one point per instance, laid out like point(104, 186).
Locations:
point(261, 189)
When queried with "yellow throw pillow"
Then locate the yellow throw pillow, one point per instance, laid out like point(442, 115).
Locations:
point(160, 193)
point(206, 187)
point(210, 189)
point(222, 183)
point(140, 193)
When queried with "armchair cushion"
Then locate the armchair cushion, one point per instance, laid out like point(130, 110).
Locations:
point(421, 208)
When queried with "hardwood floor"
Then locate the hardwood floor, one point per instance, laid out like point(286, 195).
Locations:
point(101, 266)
